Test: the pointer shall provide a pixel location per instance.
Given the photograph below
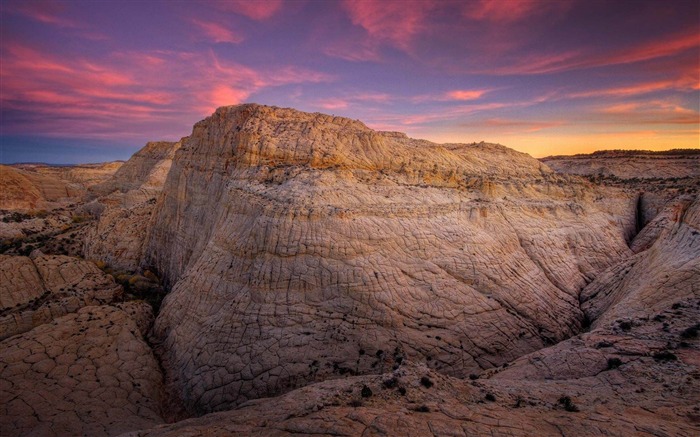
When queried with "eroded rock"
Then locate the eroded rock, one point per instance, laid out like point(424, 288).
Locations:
point(86, 373)
point(39, 289)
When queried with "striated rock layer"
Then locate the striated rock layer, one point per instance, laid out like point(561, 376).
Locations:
point(303, 247)
point(631, 164)
point(86, 175)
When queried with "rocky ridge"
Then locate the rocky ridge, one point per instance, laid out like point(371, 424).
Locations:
point(86, 175)
point(126, 206)
point(303, 247)
point(22, 190)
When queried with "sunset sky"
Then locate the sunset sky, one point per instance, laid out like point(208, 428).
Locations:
point(88, 81)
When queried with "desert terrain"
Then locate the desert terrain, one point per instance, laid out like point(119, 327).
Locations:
point(278, 272)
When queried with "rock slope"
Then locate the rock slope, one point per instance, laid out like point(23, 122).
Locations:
point(304, 247)
point(86, 373)
point(634, 375)
point(22, 190)
point(36, 290)
point(146, 169)
point(119, 235)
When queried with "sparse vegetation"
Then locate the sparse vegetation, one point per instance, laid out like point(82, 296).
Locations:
point(614, 363)
point(691, 332)
point(568, 404)
point(665, 356)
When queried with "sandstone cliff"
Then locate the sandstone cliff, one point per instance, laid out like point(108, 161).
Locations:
point(146, 169)
point(22, 190)
point(634, 373)
point(129, 200)
point(303, 247)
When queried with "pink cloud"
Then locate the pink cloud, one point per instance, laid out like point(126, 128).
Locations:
point(510, 11)
point(223, 95)
point(333, 104)
point(43, 11)
point(465, 94)
point(451, 96)
point(391, 21)
point(576, 59)
point(217, 32)
point(685, 83)
point(127, 92)
point(253, 9)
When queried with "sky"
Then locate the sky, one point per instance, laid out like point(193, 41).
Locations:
point(91, 81)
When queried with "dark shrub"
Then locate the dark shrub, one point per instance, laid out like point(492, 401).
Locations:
point(614, 363)
point(568, 404)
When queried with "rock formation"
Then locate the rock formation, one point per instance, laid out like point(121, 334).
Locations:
point(86, 373)
point(36, 290)
point(119, 235)
point(634, 164)
point(22, 190)
point(304, 247)
point(86, 175)
point(146, 169)
point(632, 376)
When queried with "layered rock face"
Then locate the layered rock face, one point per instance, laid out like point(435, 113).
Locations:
point(120, 233)
point(36, 290)
point(303, 247)
point(22, 190)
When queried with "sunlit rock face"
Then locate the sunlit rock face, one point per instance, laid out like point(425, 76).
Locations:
point(147, 168)
point(302, 247)
point(22, 190)
point(86, 175)
point(127, 202)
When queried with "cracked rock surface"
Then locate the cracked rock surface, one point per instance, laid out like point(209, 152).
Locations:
point(86, 373)
point(37, 289)
point(639, 375)
point(303, 247)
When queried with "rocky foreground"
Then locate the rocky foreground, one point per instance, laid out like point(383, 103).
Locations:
point(325, 278)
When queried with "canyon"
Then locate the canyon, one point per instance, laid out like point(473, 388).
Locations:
point(279, 272)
